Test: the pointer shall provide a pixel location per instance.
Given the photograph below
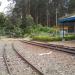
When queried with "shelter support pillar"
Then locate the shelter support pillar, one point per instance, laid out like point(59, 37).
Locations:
point(74, 28)
point(63, 33)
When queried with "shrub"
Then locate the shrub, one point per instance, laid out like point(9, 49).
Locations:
point(17, 32)
point(46, 38)
point(50, 38)
point(69, 37)
point(29, 20)
point(39, 30)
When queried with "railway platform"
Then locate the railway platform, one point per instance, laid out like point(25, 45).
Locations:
point(64, 43)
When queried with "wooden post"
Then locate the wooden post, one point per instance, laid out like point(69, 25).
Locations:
point(56, 17)
point(47, 17)
point(63, 33)
point(74, 27)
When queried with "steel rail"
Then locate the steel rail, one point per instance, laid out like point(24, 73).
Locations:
point(26, 61)
point(5, 61)
point(53, 46)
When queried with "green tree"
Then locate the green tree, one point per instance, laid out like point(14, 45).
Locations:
point(71, 6)
point(2, 20)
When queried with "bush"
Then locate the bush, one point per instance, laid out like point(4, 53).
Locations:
point(46, 38)
point(17, 32)
point(29, 20)
point(50, 38)
point(69, 37)
point(39, 30)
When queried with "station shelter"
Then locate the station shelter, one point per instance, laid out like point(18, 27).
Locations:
point(67, 24)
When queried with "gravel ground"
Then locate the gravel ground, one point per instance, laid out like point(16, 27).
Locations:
point(65, 43)
point(50, 62)
point(3, 70)
point(16, 65)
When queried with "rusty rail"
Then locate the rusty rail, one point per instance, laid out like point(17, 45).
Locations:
point(25, 60)
point(5, 61)
point(53, 46)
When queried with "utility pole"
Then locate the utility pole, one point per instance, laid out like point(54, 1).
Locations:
point(47, 17)
point(47, 11)
point(29, 6)
point(37, 16)
point(56, 17)
point(48, 14)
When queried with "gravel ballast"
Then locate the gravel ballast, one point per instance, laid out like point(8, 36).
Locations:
point(3, 70)
point(16, 64)
point(50, 62)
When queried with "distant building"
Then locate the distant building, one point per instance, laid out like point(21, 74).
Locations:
point(67, 24)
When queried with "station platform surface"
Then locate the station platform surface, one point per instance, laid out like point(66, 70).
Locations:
point(65, 43)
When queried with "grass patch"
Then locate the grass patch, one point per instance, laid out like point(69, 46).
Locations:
point(46, 38)
point(69, 37)
point(49, 38)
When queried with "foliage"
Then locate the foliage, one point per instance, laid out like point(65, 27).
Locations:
point(2, 20)
point(46, 38)
point(43, 30)
point(2, 24)
point(29, 25)
point(71, 6)
point(29, 20)
point(17, 32)
point(69, 37)
point(39, 9)
point(30, 17)
point(8, 25)
point(50, 38)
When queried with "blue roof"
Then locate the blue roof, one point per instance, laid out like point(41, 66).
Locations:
point(68, 19)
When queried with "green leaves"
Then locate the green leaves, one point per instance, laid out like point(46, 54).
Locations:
point(2, 20)
point(71, 6)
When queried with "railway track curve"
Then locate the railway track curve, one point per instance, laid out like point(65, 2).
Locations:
point(53, 46)
point(5, 61)
point(22, 58)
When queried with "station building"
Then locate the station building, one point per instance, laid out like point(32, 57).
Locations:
point(67, 24)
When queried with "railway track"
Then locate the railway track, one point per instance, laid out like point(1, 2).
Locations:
point(53, 46)
point(22, 59)
point(6, 62)
point(32, 66)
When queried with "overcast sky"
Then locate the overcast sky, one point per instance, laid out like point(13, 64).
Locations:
point(3, 5)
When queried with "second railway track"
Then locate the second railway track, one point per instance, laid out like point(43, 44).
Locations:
point(53, 46)
point(15, 63)
point(5, 61)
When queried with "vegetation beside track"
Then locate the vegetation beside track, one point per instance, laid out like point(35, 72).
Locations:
point(50, 38)
point(34, 23)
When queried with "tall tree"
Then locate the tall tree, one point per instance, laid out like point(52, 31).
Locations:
point(2, 20)
point(71, 6)
point(21, 10)
point(42, 10)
